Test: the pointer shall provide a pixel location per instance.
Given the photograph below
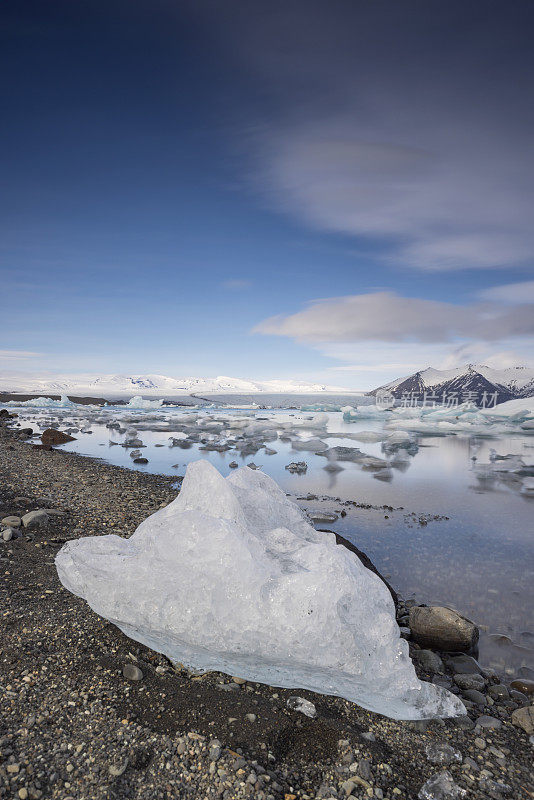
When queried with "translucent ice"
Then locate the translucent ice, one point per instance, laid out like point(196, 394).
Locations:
point(231, 576)
point(365, 412)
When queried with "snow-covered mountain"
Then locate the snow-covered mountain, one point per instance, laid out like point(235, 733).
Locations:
point(155, 385)
point(510, 383)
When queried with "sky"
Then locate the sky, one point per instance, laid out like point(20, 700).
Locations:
point(336, 191)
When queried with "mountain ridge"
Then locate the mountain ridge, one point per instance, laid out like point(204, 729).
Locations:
point(153, 384)
point(510, 383)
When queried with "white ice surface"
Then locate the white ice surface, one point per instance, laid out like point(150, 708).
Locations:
point(141, 403)
point(232, 577)
point(44, 402)
point(523, 408)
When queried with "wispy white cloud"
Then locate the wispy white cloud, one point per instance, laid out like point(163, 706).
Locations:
point(514, 293)
point(373, 364)
point(434, 203)
point(18, 354)
point(386, 125)
point(387, 317)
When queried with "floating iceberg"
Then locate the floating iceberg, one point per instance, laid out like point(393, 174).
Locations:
point(366, 436)
point(44, 402)
point(139, 402)
point(366, 412)
point(325, 407)
point(231, 576)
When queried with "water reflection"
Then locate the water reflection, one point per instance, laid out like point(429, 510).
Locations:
point(458, 524)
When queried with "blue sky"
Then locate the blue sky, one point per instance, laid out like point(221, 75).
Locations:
point(337, 191)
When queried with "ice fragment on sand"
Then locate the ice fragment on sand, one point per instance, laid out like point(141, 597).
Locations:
point(302, 705)
point(442, 753)
point(441, 787)
point(231, 576)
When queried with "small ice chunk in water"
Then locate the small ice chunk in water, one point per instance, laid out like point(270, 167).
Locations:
point(313, 445)
point(231, 576)
point(300, 467)
point(322, 516)
point(139, 402)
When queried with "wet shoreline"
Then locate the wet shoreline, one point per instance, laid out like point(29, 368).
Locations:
point(44, 626)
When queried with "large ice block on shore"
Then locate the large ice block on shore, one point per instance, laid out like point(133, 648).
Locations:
point(232, 577)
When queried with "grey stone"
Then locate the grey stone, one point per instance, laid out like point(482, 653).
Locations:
point(7, 535)
point(471, 764)
point(364, 768)
point(475, 697)
point(499, 692)
point(348, 787)
point(463, 723)
point(524, 718)
point(35, 519)
point(298, 467)
point(488, 722)
point(11, 522)
point(132, 672)
point(519, 697)
point(441, 628)
point(429, 661)
point(465, 665)
point(215, 750)
point(469, 681)
point(495, 789)
point(523, 685)
point(442, 680)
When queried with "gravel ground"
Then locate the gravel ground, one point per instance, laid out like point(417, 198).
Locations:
point(72, 725)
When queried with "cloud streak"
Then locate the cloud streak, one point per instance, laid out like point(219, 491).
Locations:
point(521, 292)
point(387, 317)
point(410, 126)
point(17, 354)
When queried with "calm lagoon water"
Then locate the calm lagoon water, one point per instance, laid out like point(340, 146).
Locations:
point(456, 537)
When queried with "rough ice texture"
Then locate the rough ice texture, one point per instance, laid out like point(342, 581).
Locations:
point(141, 403)
point(231, 576)
point(44, 402)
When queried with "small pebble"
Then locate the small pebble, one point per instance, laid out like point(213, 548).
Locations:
point(132, 672)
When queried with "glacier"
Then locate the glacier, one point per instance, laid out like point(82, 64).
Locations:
point(231, 576)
